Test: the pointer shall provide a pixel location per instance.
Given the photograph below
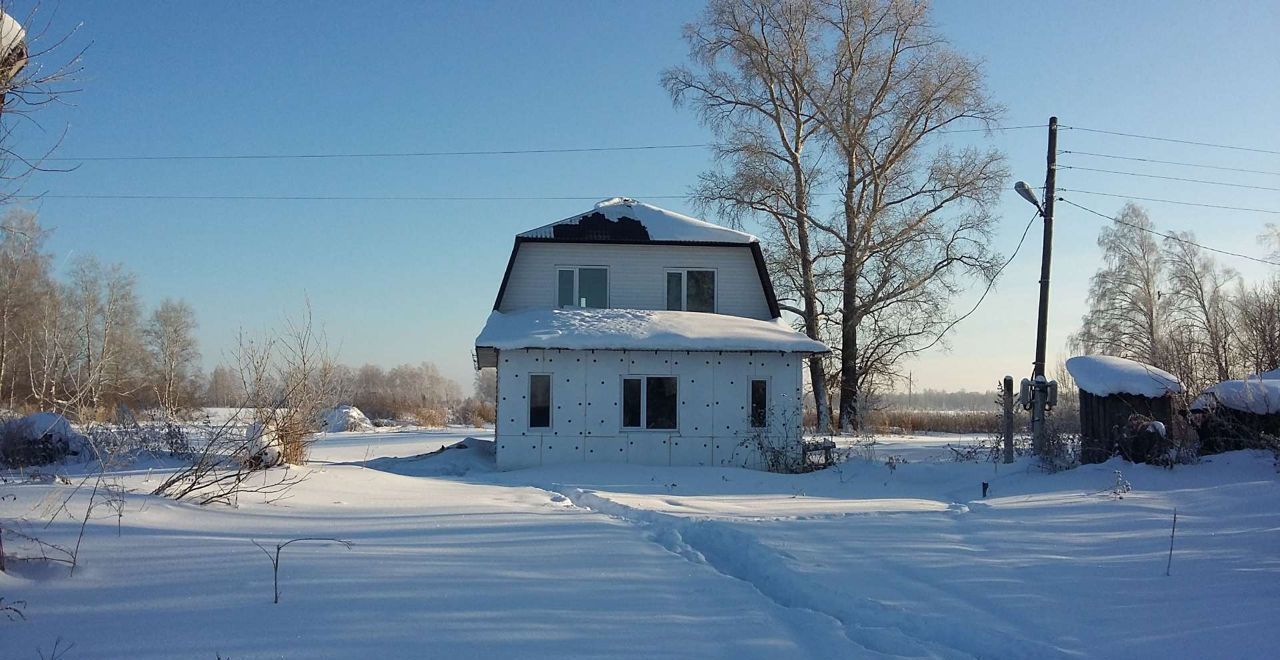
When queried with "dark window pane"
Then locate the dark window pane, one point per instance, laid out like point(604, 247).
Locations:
point(565, 296)
point(759, 402)
point(631, 402)
point(675, 291)
point(593, 287)
point(702, 290)
point(660, 412)
point(539, 401)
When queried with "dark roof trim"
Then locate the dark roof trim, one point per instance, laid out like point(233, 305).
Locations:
point(756, 254)
point(769, 296)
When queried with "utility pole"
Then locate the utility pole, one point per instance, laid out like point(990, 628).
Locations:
point(1040, 384)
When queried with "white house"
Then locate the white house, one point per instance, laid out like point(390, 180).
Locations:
point(630, 333)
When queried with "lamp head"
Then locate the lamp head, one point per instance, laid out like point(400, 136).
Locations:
point(1028, 194)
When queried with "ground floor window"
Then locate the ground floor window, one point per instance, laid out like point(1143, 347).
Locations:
point(651, 399)
point(759, 403)
point(539, 401)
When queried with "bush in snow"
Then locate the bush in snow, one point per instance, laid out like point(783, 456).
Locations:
point(38, 439)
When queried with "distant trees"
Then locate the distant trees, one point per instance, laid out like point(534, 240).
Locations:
point(1172, 305)
point(174, 354)
point(853, 98)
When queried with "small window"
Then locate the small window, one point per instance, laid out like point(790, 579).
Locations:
point(582, 287)
point(653, 399)
point(691, 290)
point(539, 401)
point(759, 403)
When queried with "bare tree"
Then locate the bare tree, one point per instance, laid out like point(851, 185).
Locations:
point(1199, 310)
point(1127, 313)
point(915, 214)
point(755, 66)
point(171, 343)
point(1257, 325)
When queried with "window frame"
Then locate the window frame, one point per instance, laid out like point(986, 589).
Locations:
point(684, 287)
point(608, 284)
point(644, 403)
point(551, 406)
point(751, 412)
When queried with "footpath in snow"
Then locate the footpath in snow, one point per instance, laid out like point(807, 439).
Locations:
point(453, 559)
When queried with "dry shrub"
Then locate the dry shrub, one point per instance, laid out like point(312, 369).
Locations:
point(432, 417)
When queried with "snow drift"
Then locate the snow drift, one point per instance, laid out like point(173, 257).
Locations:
point(344, 418)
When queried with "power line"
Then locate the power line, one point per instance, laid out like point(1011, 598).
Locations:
point(433, 154)
point(1169, 236)
point(1171, 178)
point(990, 285)
point(1171, 201)
point(1175, 140)
point(343, 198)
point(1170, 162)
point(385, 154)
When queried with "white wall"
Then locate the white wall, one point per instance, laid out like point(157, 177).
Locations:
point(713, 418)
point(637, 275)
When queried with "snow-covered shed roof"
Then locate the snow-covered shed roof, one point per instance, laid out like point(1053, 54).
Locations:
point(1274, 374)
point(639, 329)
point(1105, 375)
point(1258, 396)
point(624, 219)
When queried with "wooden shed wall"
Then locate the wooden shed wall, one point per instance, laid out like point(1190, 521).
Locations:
point(1103, 417)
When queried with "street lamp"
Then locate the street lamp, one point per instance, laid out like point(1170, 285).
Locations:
point(1038, 393)
point(13, 52)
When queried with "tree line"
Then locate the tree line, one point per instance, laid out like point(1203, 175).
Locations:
point(84, 345)
point(1171, 304)
point(851, 101)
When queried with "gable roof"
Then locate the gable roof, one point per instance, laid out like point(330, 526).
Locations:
point(627, 220)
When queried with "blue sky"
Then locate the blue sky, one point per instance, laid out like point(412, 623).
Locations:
point(406, 281)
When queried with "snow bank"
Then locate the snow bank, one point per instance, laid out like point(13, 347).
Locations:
point(38, 439)
point(1104, 375)
point(636, 329)
point(1258, 396)
point(344, 418)
point(662, 225)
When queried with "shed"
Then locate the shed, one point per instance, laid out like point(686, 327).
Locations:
point(1235, 413)
point(1112, 390)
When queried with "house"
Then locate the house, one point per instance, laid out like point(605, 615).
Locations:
point(1113, 392)
point(630, 333)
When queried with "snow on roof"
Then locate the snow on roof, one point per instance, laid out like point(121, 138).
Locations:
point(625, 219)
point(638, 329)
point(1251, 395)
point(1274, 374)
point(1104, 375)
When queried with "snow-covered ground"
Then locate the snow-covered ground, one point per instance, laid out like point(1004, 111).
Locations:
point(453, 560)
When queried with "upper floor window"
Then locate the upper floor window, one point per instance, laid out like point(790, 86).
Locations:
point(581, 286)
point(691, 290)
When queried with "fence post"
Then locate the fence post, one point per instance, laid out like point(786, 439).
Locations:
point(1007, 398)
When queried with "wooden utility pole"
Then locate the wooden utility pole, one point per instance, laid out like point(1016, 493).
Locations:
point(1040, 384)
point(1006, 398)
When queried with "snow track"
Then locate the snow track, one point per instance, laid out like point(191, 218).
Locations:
point(873, 626)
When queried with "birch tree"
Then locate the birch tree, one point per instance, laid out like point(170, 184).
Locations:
point(1199, 307)
point(1126, 314)
point(915, 216)
point(754, 67)
point(171, 345)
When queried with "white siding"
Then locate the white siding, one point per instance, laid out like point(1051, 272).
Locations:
point(714, 398)
point(637, 275)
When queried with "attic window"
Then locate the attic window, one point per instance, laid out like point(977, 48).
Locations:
point(582, 287)
point(691, 290)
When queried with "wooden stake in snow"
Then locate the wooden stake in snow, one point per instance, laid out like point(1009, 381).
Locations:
point(275, 559)
point(1168, 567)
